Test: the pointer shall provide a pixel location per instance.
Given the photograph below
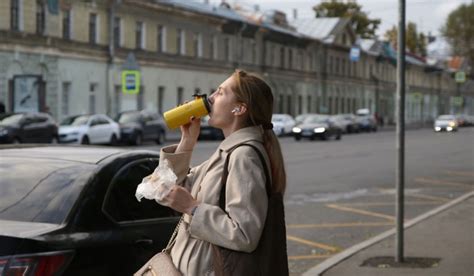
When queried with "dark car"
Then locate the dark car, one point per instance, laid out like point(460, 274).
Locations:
point(209, 132)
point(138, 126)
point(317, 126)
point(72, 211)
point(28, 128)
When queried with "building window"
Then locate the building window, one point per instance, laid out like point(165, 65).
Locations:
point(288, 107)
point(254, 52)
point(40, 17)
point(67, 24)
point(179, 96)
point(300, 104)
point(272, 55)
point(180, 41)
point(93, 28)
point(280, 103)
point(197, 45)
point(15, 15)
point(213, 47)
point(65, 98)
point(290, 59)
point(308, 102)
point(139, 35)
point(282, 57)
point(117, 32)
point(92, 89)
point(227, 49)
point(161, 38)
point(160, 99)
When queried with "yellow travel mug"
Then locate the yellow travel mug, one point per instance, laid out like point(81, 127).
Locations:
point(180, 115)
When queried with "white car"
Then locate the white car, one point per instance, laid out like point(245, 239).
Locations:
point(89, 129)
point(446, 123)
point(282, 124)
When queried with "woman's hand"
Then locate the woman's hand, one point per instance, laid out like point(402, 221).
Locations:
point(180, 199)
point(189, 135)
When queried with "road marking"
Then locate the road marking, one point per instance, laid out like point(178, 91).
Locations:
point(441, 182)
point(460, 173)
point(336, 225)
point(359, 211)
point(314, 244)
point(435, 198)
point(306, 257)
point(388, 203)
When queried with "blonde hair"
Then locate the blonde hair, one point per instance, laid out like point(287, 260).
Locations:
point(257, 95)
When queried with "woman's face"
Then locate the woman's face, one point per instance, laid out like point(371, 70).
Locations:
point(223, 101)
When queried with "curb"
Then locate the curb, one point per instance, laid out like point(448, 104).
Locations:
point(334, 260)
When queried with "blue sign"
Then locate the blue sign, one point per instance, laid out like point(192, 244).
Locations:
point(354, 55)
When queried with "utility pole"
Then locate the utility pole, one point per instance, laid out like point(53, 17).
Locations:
point(400, 170)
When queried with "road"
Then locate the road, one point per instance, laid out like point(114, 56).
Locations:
point(341, 193)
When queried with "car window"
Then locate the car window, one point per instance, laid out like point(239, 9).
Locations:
point(12, 119)
point(40, 190)
point(120, 203)
point(129, 118)
point(75, 121)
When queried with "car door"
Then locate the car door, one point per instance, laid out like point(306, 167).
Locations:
point(145, 226)
point(31, 129)
point(96, 130)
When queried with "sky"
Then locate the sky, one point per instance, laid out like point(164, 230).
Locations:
point(429, 15)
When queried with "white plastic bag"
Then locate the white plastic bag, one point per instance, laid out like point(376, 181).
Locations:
point(158, 184)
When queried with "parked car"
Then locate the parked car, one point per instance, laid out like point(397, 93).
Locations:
point(317, 126)
point(347, 122)
point(366, 120)
point(282, 124)
point(209, 132)
point(446, 123)
point(138, 126)
point(72, 211)
point(28, 128)
point(89, 129)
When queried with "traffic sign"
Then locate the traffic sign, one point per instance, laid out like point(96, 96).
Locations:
point(130, 81)
point(460, 76)
point(354, 55)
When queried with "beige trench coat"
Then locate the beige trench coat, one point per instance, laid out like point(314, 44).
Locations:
point(246, 201)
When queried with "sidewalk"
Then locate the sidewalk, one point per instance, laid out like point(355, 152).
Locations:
point(446, 233)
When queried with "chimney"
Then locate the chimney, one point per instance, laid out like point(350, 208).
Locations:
point(206, 2)
point(256, 8)
point(295, 14)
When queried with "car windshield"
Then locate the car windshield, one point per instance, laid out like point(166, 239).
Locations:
point(278, 119)
point(75, 121)
point(40, 190)
point(315, 119)
point(12, 119)
point(129, 117)
point(446, 117)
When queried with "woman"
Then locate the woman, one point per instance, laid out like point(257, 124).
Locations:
point(242, 108)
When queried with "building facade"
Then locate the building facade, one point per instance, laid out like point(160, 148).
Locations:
point(69, 61)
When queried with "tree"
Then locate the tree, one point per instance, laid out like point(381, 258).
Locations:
point(363, 25)
point(459, 32)
point(415, 42)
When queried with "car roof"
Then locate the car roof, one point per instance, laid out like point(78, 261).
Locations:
point(82, 154)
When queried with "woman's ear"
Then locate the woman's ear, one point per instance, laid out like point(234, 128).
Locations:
point(240, 110)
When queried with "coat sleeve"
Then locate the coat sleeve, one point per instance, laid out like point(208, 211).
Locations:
point(246, 206)
point(180, 164)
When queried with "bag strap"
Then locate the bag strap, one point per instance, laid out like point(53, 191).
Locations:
point(173, 236)
point(225, 173)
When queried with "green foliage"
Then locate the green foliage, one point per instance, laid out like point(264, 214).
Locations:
point(459, 32)
point(362, 24)
point(415, 42)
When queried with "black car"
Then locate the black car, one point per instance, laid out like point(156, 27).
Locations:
point(72, 211)
point(28, 128)
point(137, 126)
point(209, 132)
point(317, 126)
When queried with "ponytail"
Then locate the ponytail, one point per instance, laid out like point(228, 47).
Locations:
point(278, 172)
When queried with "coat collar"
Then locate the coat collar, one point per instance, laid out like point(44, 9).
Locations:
point(243, 135)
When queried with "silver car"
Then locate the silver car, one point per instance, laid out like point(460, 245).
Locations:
point(446, 123)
